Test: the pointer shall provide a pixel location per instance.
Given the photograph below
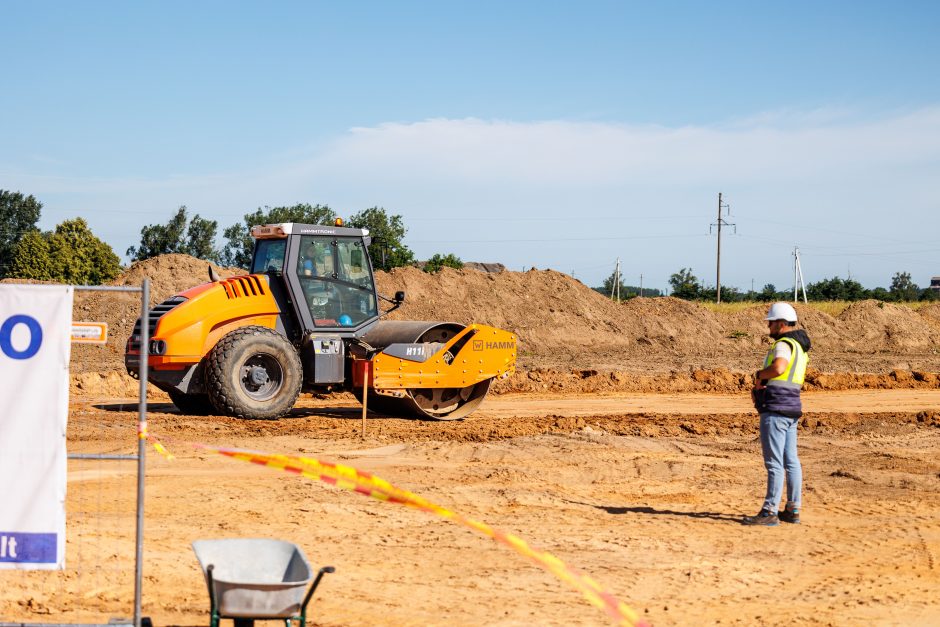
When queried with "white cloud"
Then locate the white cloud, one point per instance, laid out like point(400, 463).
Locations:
point(570, 154)
point(778, 146)
point(472, 168)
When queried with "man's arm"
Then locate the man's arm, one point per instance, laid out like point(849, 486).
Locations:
point(775, 369)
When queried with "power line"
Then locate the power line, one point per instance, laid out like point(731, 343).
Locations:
point(552, 239)
point(804, 228)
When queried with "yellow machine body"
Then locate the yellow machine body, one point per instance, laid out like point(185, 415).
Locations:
point(488, 353)
point(190, 330)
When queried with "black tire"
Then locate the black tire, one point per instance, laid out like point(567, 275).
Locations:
point(191, 404)
point(253, 372)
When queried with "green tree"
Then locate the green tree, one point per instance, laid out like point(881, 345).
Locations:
point(238, 249)
point(768, 294)
point(438, 261)
point(685, 284)
point(903, 288)
point(30, 258)
point(80, 258)
point(836, 289)
point(200, 239)
point(387, 249)
point(729, 294)
point(160, 239)
point(18, 216)
point(929, 294)
point(194, 237)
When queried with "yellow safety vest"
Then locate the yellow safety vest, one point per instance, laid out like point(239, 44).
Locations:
point(795, 373)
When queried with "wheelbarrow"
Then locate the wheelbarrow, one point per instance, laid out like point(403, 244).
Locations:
point(253, 579)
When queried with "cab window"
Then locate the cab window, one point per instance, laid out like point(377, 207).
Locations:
point(269, 256)
point(315, 258)
point(336, 281)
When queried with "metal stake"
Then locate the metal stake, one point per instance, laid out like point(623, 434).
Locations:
point(365, 397)
point(141, 446)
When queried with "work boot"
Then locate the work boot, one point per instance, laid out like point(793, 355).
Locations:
point(764, 518)
point(790, 515)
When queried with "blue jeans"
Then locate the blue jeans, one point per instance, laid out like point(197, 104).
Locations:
point(778, 443)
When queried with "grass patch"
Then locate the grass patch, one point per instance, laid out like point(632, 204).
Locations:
point(831, 307)
point(729, 308)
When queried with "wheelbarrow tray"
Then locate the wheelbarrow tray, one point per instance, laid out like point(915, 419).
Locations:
point(254, 577)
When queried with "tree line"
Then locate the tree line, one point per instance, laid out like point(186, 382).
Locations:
point(684, 284)
point(71, 253)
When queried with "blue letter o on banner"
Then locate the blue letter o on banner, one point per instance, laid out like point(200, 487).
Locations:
point(6, 336)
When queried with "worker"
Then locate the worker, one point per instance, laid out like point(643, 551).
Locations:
point(776, 395)
point(315, 260)
point(305, 264)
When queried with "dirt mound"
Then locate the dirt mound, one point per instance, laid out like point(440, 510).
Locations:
point(567, 327)
point(749, 328)
point(171, 274)
point(556, 317)
point(885, 327)
point(670, 324)
point(561, 322)
point(931, 312)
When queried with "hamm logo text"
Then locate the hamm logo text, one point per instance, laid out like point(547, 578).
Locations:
point(501, 345)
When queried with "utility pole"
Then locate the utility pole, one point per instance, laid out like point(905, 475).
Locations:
point(641, 286)
point(798, 276)
point(615, 288)
point(721, 205)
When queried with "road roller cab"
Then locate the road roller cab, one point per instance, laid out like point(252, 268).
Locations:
point(307, 318)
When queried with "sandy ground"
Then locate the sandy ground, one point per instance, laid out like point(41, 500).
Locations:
point(625, 444)
point(642, 491)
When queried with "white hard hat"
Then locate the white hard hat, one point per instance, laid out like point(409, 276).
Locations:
point(781, 311)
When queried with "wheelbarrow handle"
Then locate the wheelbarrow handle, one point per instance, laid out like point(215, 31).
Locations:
point(209, 570)
point(316, 582)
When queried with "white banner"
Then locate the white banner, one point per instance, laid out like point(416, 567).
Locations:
point(35, 328)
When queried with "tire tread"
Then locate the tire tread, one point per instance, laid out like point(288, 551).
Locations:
point(222, 357)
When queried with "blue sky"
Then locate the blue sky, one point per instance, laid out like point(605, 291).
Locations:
point(547, 134)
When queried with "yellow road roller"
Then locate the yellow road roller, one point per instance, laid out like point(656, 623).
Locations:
point(307, 318)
